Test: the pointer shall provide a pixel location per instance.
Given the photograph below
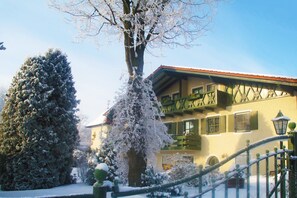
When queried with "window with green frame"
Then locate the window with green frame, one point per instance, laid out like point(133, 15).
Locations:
point(243, 121)
point(175, 96)
point(188, 127)
point(213, 125)
point(198, 90)
point(171, 128)
point(210, 87)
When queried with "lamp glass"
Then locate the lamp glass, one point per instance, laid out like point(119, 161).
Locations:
point(280, 123)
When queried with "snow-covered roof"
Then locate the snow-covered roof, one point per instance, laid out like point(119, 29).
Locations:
point(98, 121)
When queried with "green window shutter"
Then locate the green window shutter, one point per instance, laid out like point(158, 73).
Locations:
point(222, 125)
point(231, 124)
point(203, 126)
point(180, 128)
point(254, 120)
point(196, 126)
point(173, 128)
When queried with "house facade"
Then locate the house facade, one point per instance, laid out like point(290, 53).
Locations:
point(212, 114)
point(99, 129)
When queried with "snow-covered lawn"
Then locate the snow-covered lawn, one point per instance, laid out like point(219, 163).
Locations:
point(73, 189)
point(76, 189)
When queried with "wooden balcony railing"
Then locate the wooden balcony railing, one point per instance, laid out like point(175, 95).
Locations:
point(185, 142)
point(199, 102)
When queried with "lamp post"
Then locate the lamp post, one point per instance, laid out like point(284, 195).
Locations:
point(280, 123)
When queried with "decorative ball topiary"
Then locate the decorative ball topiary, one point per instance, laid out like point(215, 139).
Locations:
point(100, 173)
point(292, 125)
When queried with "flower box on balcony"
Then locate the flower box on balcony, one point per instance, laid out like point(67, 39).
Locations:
point(194, 96)
point(167, 102)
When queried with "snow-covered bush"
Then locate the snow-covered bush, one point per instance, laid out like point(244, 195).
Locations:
point(90, 179)
point(100, 174)
point(152, 178)
point(107, 155)
point(214, 175)
point(92, 163)
point(81, 163)
point(182, 170)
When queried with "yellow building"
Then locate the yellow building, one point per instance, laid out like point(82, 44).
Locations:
point(211, 114)
point(99, 128)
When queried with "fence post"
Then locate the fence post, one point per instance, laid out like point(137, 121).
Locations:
point(293, 167)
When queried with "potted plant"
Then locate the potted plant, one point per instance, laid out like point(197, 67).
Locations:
point(100, 173)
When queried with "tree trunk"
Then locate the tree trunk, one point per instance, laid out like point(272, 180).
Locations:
point(137, 166)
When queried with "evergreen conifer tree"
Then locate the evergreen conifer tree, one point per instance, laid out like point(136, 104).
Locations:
point(38, 131)
point(107, 155)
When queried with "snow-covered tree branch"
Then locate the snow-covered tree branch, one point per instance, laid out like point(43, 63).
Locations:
point(137, 127)
point(2, 46)
point(140, 23)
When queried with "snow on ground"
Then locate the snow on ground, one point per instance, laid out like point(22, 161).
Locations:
point(72, 189)
point(76, 189)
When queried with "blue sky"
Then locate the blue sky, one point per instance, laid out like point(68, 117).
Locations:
point(255, 36)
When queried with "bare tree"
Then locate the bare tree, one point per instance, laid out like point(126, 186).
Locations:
point(141, 24)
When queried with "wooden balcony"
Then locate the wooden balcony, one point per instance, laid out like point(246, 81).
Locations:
point(200, 102)
point(185, 142)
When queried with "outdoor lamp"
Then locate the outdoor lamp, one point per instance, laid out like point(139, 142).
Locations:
point(280, 123)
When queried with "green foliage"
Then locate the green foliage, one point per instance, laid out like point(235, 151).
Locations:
point(38, 131)
point(292, 125)
point(100, 176)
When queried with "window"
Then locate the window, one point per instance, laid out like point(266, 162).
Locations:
point(171, 128)
point(210, 87)
point(198, 90)
point(212, 161)
point(213, 125)
point(242, 122)
point(175, 96)
point(188, 127)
